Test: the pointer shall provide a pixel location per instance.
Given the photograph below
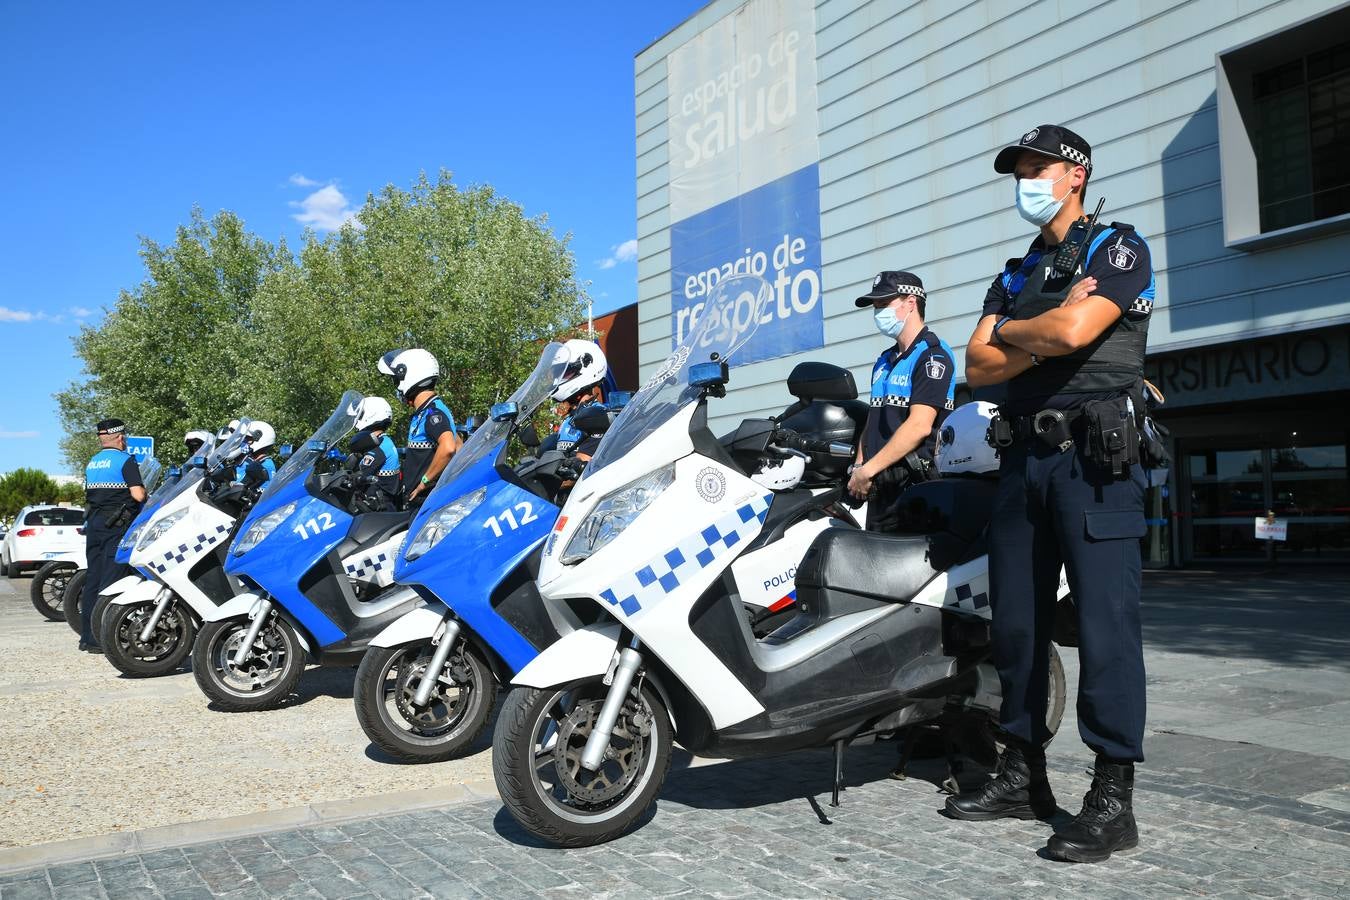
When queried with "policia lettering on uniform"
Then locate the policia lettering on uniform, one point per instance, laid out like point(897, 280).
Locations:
point(1065, 327)
point(113, 496)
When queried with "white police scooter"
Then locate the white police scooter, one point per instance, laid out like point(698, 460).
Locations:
point(151, 619)
point(891, 629)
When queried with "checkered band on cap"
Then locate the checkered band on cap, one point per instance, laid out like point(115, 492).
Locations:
point(1077, 156)
point(903, 289)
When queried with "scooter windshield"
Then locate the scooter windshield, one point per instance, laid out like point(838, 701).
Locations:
point(330, 433)
point(528, 397)
point(722, 326)
point(151, 470)
point(229, 448)
point(189, 482)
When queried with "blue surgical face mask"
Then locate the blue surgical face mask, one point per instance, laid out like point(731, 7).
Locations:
point(1036, 198)
point(887, 323)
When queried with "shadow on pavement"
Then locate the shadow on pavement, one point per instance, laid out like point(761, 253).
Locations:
point(1292, 618)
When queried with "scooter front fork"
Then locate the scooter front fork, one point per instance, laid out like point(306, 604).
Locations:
point(630, 660)
point(432, 674)
point(257, 618)
point(162, 602)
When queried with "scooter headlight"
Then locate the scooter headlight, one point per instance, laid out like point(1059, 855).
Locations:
point(129, 539)
point(615, 513)
point(442, 522)
point(155, 530)
point(262, 528)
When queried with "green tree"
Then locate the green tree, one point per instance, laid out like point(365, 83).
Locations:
point(25, 487)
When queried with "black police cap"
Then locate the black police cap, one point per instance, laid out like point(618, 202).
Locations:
point(889, 285)
point(111, 426)
point(1052, 140)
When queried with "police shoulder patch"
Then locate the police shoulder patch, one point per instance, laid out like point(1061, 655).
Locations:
point(935, 368)
point(368, 459)
point(1121, 256)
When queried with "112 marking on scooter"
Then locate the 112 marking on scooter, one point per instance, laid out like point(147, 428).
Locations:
point(314, 526)
point(526, 517)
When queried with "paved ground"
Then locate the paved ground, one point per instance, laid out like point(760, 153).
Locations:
point(85, 751)
point(1247, 792)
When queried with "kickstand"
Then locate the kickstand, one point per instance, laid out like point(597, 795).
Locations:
point(955, 767)
point(838, 771)
point(907, 742)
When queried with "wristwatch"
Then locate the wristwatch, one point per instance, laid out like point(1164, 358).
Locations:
point(425, 480)
point(998, 338)
point(1035, 360)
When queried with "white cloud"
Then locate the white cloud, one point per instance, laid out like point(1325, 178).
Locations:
point(7, 435)
point(81, 312)
point(620, 253)
point(300, 180)
point(21, 315)
point(327, 209)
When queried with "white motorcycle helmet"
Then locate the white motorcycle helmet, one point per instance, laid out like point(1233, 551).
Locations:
point(584, 366)
point(374, 411)
point(961, 446)
point(261, 437)
point(780, 474)
point(412, 370)
point(227, 430)
point(202, 438)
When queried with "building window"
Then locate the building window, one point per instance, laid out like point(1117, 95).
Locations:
point(1302, 138)
point(1284, 127)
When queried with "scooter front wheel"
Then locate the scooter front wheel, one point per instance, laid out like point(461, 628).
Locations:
point(269, 672)
point(70, 604)
point(453, 717)
point(169, 644)
point(48, 590)
point(536, 760)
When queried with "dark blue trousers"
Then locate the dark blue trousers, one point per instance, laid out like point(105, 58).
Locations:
point(1056, 509)
point(100, 547)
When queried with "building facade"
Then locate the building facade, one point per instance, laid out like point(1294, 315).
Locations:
point(817, 143)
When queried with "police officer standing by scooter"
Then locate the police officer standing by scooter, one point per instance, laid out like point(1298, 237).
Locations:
point(113, 496)
point(431, 430)
point(1065, 327)
point(913, 390)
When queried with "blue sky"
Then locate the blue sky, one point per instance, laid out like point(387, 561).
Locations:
point(118, 119)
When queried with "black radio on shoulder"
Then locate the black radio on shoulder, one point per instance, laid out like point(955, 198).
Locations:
point(1074, 245)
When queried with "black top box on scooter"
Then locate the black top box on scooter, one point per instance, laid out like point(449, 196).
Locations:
point(828, 420)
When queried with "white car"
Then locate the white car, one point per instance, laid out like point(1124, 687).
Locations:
point(41, 534)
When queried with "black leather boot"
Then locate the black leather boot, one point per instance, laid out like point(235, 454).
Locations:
point(1106, 823)
point(1018, 790)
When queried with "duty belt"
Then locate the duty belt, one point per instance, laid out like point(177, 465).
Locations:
point(1053, 427)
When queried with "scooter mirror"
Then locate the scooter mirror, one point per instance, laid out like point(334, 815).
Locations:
point(501, 412)
point(528, 436)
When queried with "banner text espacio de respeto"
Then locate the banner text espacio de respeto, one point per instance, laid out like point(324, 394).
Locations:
point(744, 179)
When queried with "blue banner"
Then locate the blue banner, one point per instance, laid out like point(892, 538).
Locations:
point(772, 231)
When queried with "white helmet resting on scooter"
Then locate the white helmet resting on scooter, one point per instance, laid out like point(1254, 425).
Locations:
point(261, 437)
point(412, 370)
point(961, 446)
point(373, 412)
point(584, 366)
point(780, 474)
point(227, 430)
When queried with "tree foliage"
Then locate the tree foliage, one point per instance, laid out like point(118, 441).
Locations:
point(25, 487)
point(227, 324)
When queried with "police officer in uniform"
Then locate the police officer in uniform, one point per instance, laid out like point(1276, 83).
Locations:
point(379, 457)
point(113, 495)
point(257, 468)
point(913, 390)
point(1065, 327)
point(581, 383)
point(431, 430)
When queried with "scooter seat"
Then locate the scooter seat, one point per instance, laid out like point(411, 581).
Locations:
point(863, 564)
point(957, 505)
point(372, 528)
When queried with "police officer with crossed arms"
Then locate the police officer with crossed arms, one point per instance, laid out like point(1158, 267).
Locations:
point(913, 390)
point(1065, 327)
point(113, 496)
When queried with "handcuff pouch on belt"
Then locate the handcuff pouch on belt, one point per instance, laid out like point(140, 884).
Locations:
point(1112, 435)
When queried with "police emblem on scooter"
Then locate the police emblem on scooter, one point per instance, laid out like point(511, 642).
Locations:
point(712, 485)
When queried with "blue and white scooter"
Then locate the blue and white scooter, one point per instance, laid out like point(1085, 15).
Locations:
point(314, 565)
point(426, 686)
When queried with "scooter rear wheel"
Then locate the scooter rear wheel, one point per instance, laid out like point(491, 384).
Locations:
point(70, 604)
point(268, 675)
point(169, 644)
point(448, 725)
point(536, 754)
point(48, 591)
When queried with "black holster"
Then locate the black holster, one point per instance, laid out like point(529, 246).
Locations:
point(122, 516)
point(1112, 435)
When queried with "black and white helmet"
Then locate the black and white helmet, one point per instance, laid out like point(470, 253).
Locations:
point(584, 366)
point(195, 440)
point(261, 437)
point(962, 448)
point(373, 412)
point(227, 430)
point(412, 370)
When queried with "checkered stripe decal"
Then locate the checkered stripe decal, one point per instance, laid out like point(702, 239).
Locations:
point(1142, 305)
point(1076, 155)
point(420, 445)
point(970, 601)
point(663, 574)
point(105, 484)
point(363, 567)
point(177, 555)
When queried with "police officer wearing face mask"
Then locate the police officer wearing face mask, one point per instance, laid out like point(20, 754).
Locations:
point(912, 392)
point(113, 496)
point(1065, 328)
